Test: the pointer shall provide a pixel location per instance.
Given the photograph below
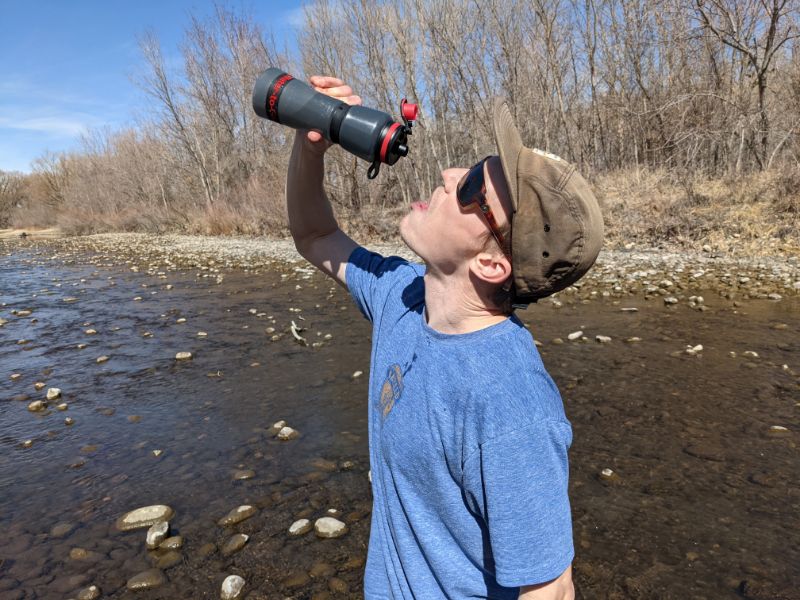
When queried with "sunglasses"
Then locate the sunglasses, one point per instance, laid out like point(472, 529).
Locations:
point(471, 191)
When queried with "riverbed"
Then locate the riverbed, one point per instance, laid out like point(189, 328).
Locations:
point(686, 413)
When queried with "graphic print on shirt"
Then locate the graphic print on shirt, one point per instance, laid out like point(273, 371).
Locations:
point(392, 389)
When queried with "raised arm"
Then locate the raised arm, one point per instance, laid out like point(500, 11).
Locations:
point(312, 224)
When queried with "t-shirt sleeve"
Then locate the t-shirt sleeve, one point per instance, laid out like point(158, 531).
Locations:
point(519, 481)
point(369, 279)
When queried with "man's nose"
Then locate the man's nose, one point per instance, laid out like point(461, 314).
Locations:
point(450, 178)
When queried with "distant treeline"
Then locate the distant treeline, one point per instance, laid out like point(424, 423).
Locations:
point(678, 90)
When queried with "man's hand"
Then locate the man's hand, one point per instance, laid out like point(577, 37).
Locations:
point(335, 88)
point(560, 588)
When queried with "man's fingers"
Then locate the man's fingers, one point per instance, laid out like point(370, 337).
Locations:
point(325, 81)
point(341, 91)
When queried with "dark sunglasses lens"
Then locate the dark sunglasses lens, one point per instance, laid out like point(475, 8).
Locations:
point(470, 184)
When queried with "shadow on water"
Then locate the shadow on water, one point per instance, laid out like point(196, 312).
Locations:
point(701, 500)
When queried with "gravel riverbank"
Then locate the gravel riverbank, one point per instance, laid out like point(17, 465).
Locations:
point(617, 272)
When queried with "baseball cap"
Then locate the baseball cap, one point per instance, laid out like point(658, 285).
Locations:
point(557, 227)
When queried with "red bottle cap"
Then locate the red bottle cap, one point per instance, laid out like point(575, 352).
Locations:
point(408, 110)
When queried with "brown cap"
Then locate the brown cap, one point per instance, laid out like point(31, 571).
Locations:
point(556, 228)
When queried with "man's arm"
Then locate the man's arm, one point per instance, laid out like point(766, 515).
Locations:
point(312, 224)
point(560, 588)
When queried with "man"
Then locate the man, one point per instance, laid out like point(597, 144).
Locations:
point(468, 437)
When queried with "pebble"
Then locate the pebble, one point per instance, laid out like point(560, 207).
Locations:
point(357, 374)
point(144, 517)
point(181, 320)
point(670, 300)
point(202, 334)
point(90, 331)
point(232, 588)
point(90, 593)
point(602, 339)
point(237, 515)
point(287, 433)
point(53, 393)
point(69, 421)
point(778, 431)
point(750, 354)
point(15, 376)
point(694, 350)
point(244, 474)
point(102, 359)
point(157, 534)
point(234, 544)
point(575, 335)
point(328, 527)
point(300, 527)
point(629, 310)
point(27, 443)
point(168, 559)
point(609, 475)
point(338, 586)
point(146, 580)
point(172, 543)
point(36, 406)
point(38, 386)
point(183, 356)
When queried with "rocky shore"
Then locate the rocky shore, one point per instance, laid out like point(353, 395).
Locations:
point(618, 273)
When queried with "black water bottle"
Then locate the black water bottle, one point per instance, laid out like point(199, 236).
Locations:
point(368, 133)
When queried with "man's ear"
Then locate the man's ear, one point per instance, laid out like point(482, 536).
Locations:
point(490, 267)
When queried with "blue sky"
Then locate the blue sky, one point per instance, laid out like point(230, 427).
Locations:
point(66, 66)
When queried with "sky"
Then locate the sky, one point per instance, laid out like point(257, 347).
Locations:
point(66, 66)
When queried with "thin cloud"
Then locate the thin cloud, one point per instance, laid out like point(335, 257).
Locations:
point(56, 126)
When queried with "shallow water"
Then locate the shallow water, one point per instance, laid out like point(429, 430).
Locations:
point(704, 502)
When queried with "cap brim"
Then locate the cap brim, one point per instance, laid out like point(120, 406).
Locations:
point(509, 145)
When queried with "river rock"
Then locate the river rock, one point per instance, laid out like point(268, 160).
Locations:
point(102, 359)
point(609, 475)
point(670, 300)
point(778, 431)
point(602, 339)
point(575, 335)
point(146, 580)
point(83, 555)
point(15, 376)
point(69, 421)
point(183, 356)
point(90, 593)
point(38, 386)
point(234, 544)
point(53, 393)
point(144, 517)
point(61, 530)
point(172, 543)
point(62, 406)
point(156, 534)
point(168, 559)
point(287, 433)
point(232, 588)
point(244, 474)
point(237, 515)
point(300, 527)
point(328, 527)
point(338, 586)
point(36, 406)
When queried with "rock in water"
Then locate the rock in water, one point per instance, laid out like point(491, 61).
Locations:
point(287, 433)
point(300, 527)
point(234, 544)
point(328, 527)
point(53, 393)
point(146, 580)
point(183, 356)
point(90, 593)
point(144, 517)
point(232, 588)
point(157, 534)
point(237, 515)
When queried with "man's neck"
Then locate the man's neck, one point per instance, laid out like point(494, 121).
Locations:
point(452, 307)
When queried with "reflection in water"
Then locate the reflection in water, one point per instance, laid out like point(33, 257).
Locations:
point(703, 495)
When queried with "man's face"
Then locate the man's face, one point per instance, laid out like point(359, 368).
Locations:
point(447, 236)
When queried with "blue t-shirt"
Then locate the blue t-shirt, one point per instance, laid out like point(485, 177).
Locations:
point(468, 450)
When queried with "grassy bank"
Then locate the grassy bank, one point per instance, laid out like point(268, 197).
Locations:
point(752, 215)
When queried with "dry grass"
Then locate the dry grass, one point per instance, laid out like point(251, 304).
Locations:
point(755, 214)
point(758, 214)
